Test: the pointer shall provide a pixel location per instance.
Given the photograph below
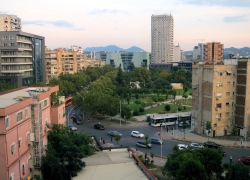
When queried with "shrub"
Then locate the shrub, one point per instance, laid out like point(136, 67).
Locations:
point(179, 108)
point(167, 107)
point(141, 109)
point(155, 98)
point(184, 107)
point(161, 99)
point(136, 112)
point(137, 102)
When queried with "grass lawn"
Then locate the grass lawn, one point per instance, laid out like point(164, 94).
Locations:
point(160, 109)
point(184, 102)
point(180, 92)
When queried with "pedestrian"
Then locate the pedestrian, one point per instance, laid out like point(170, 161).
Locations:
point(167, 128)
point(103, 141)
point(231, 159)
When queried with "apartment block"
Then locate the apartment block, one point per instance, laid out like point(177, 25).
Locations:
point(22, 59)
point(10, 23)
point(26, 115)
point(242, 108)
point(213, 53)
point(214, 97)
point(162, 38)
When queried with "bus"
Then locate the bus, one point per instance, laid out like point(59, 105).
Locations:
point(164, 121)
point(68, 101)
point(185, 117)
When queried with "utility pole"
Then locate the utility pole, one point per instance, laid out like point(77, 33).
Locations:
point(120, 112)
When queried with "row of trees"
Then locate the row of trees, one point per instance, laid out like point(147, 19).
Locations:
point(205, 163)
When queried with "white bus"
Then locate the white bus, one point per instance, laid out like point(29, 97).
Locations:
point(164, 121)
point(185, 117)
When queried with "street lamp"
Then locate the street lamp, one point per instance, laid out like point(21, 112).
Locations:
point(120, 112)
point(83, 100)
point(69, 113)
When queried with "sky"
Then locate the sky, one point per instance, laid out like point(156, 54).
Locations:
point(127, 23)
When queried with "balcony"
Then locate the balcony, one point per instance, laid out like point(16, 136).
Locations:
point(16, 71)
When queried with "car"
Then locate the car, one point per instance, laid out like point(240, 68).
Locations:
point(211, 144)
point(196, 145)
point(137, 134)
point(73, 115)
point(77, 120)
point(72, 127)
point(182, 146)
point(114, 133)
point(142, 143)
point(99, 126)
point(182, 123)
point(245, 160)
point(154, 140)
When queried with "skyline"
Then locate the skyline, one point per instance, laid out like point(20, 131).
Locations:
point(128, 23)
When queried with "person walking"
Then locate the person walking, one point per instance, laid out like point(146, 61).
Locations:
point(103, 141)
point(231, 159)
point(167, 128)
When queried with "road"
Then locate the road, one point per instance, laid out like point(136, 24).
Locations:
point(127, 140)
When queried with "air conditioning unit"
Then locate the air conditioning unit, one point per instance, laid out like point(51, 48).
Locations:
point(217, 109)
point(30, 163)
point(32, 137)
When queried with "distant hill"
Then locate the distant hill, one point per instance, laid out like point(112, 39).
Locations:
point(113, 48)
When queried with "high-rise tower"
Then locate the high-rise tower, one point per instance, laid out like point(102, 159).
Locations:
point(162, 38)
point(10, 23)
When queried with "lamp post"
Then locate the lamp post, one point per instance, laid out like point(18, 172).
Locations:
point(83, 100)
point(161, 142)
point(120, 112)
point(69, 113)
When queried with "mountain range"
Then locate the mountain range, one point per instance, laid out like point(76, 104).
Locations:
point(113, 48)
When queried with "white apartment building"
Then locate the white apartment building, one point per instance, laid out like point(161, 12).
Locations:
point(177, 54)
point(162, 38)
point(10, 23)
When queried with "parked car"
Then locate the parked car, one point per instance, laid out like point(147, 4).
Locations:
point(245, 160)
point(77, 120)
point(73, 115)
point(182, 123)
point(72, 127)
point(154, 140)
point(137, 134)
point(182, 146)
point(211, 144)
point(142, 143)
point(99, 126)
point(196, 145)
point(113, 133)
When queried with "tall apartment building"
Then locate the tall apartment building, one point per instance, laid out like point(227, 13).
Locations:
point(26, 114)
point(213, 91)
point(10, 23)
point(196, 53)
point(177, 55)
point(22, 58)
point(139, 59)
point(162, 39)
point(242, 109)
point(213, 53)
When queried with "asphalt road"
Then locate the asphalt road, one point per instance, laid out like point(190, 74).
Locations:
point(127, 140)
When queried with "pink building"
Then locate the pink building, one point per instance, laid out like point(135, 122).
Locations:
point(25, 117)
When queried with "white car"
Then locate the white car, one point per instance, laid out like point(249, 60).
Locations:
point(196, 145)
point(182, 146)
point(137, 134)
point(72, 127)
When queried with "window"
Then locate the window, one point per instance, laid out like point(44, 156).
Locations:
point(218, 105)
point(227, 113)
point(227, 104)
point(12, 148)
point(12, 37)
point(229, 73)
point(12, 44)
point(5, 37)
point(5, 44)
point(233, 83)
point(19, 116)
point(228, 82)
point(28, 138)
point(221, 73)
point(23, 169)
point(228, 93)
point(219, 84)
point(26, 113)
point(12, 176)
point(218, 115)
point(45, 103)
point(233, 93)
point(19, 143)
point(7, 122)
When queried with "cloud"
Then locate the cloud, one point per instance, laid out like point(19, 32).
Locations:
point(227, 3)
point(106, 11)
point(230, 19)
point(59, 23)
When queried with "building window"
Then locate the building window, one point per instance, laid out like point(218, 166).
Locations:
point(229, 73)
point(221, 73)
point(219, 84)
point(5, 44)
point(233, 83)
point(19, 143)
point(12, 148)
point(233, 93)
point(12, 38)
point(228, 82)
point(19, 116)
point(26, 113)
point(228, 93)
point(7, 122)
point(12, 44)
point(227, 104)
point(218, 105)
point(227, 113)
point(28, 138)
point(5, 37)
point(218, 115)
point(23, 169)
point(45, 103)
point(12, 176)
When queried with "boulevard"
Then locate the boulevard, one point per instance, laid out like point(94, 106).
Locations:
point(128, 140)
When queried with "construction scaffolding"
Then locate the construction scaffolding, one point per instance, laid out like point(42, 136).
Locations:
point(36, 133)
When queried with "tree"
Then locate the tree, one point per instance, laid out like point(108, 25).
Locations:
point(208, 128)
point(238, 171)
point(234, 132)
point(167, 107)
point(131, 67)
point(146, 142)
point(117, 138)
point(6, 85)
point(119, 77)
point(64, 153)
point(184, 126)
point(185, 96)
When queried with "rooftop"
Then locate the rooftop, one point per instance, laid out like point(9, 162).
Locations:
point(109, 165)
point(13, 97)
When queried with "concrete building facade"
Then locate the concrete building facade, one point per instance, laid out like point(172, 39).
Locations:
point(162, 38)
point(25, 118)
point(213, 53)
point(139, 59)
point(213, 91)
point(22, 58)
point(10, 23)
point(177, 56)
